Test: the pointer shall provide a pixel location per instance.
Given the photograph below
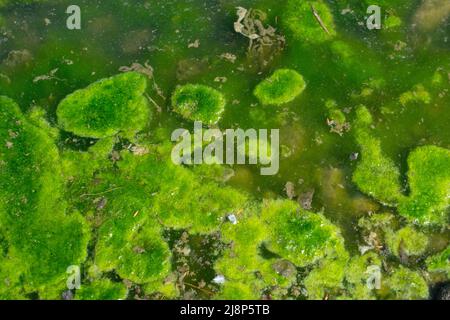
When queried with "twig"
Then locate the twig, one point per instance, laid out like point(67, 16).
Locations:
point(100, 193)
point(319, 19)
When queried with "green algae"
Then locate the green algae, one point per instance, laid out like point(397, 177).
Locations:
point(131, 200)
point(379, 177)
point(405, 284)
point(106, 107)
point(429, 180)
point(198, 103)
point(281, 87)
point(357, 276)
point(102, 289)
point(376, 174)
point(407, 240)
point(300, 236)
point(440, 262)
point(300, 20)
point(32, 205)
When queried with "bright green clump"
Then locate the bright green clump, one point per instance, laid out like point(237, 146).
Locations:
point(280, 88)
point(440, 262)
point(106, 107)
point(326, 278)
point(41, 237)
point(405, 284)
point(300, 19)
point(407, 240)
point(429, 182)
point(375, 175)
point(247, 273)
point(300, 236)
point(428, 176)
point(239, 264)
point(418, 95)
point(133, 248)
point(361, 276)
point(198, 103)
point(103, 289)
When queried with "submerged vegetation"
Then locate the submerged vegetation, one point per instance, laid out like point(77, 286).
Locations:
point(280, 88)
point(198, 103)
point(358, 210)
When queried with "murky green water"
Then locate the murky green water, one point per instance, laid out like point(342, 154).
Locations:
point(183, 41)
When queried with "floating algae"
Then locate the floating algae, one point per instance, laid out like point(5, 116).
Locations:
point(359, 208)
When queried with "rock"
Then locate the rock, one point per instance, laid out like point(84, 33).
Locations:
point(305, 199)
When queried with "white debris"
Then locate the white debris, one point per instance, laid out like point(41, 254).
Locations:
point(219, 279)
point(232, 218)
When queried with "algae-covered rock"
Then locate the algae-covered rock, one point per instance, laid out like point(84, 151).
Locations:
point(42, 237)
point(102, 289)
point(376, 174)
point(280, 88)
point(429, 182)
point(310, 21)
point(406, 241)
point(198, 103)
point(106, 107)
point(300, 236)
point(405, 284)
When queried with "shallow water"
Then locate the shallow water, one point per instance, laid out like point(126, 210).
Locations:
point(118, 33)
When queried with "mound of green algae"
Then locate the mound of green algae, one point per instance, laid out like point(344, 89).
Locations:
point(80, 169)
point(376, 174)
point(106, 107)
point(295, 237)
point(304, 25)
point(198, 103)
point(42, 238)
point(428, 176)
point(283, 86)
